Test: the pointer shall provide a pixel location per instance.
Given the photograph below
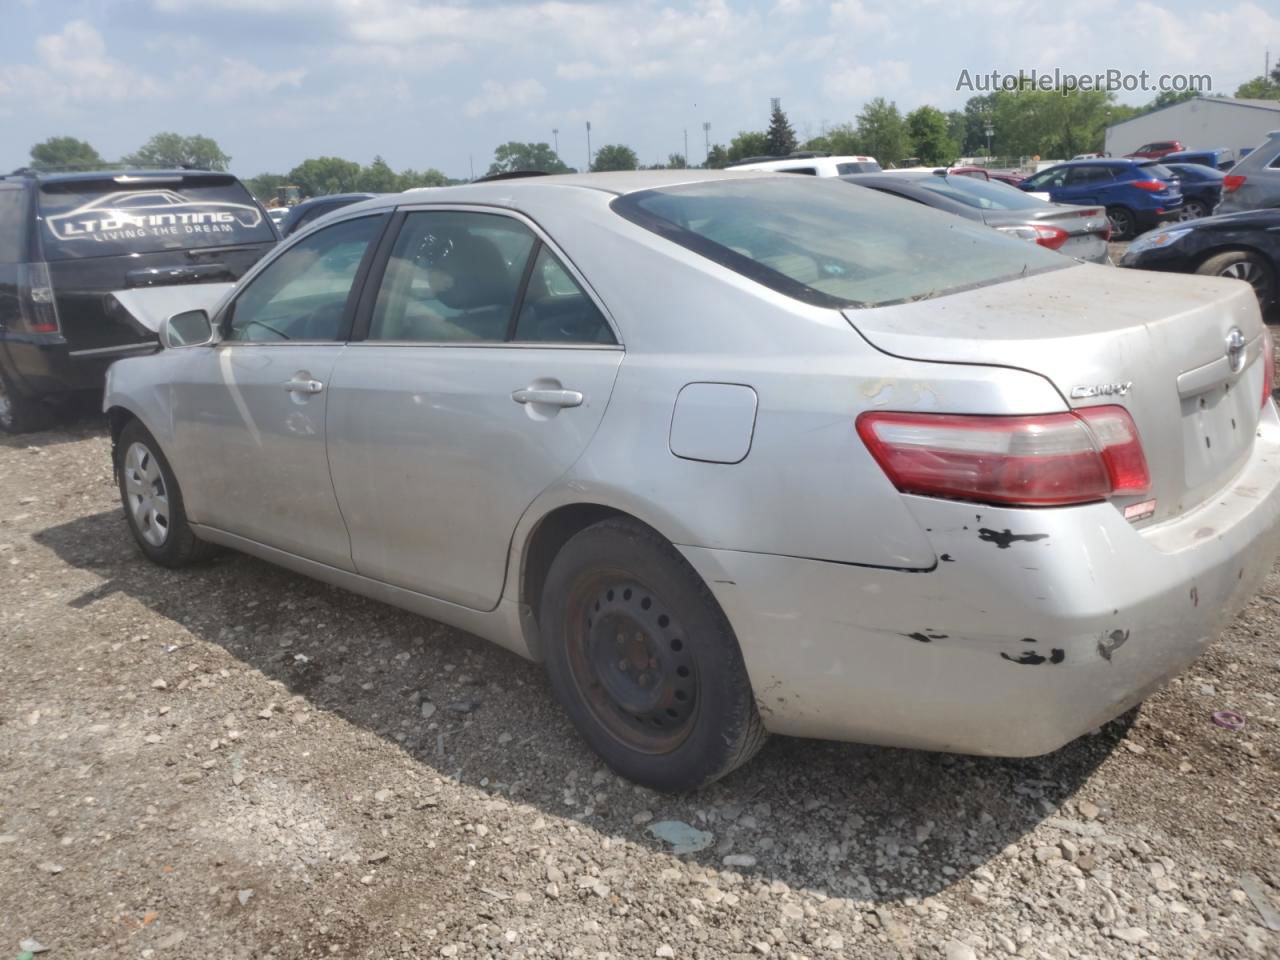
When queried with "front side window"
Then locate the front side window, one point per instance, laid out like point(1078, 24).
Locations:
point(302, 294)
point(827, 245)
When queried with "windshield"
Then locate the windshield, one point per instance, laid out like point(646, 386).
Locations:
point(105, 218)
point(832, 244)
point(983, 194)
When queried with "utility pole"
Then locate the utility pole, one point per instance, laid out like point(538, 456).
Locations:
point(555, 134)
point(706, 132)
point(588, 146)
point(472, 161)
point(686, 146)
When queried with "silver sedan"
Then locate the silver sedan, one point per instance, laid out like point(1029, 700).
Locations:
point(730, 453)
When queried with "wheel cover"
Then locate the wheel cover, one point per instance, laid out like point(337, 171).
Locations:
point(1249, 272)
point(146, 495)
point(1192, 210)
point(632, 664)
point(1121, 222)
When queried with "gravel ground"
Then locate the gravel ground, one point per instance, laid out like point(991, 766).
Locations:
point(238, 762)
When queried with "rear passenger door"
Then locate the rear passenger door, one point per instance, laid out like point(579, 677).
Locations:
point(480, 369)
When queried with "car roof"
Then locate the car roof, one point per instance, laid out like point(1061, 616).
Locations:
point(618, 183)
point(331, 197)
point(1107, 161)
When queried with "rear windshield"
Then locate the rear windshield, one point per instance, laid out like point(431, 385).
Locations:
point(106, 218)
point(833, 244)
point(863, 166)
point(982, 194)
point(13, 224)
point(1157, 170)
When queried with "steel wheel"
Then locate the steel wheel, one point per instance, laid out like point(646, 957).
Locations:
point(630, 663)
point(148, 497)
point(1250, 272)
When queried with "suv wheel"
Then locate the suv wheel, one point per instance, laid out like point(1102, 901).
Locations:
point(643, 660)
point(19, 414)
point(153, 501)
point(1122, 223)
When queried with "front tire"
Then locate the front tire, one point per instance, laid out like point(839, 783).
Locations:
point(1242, 265)
point(644, 661)
point(152, 501)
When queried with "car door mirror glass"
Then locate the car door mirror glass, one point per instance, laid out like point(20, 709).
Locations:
point(191, 328)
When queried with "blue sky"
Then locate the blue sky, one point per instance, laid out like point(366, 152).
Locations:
point(436, 84)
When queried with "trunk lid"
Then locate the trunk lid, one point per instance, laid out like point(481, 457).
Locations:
point(1155, 343)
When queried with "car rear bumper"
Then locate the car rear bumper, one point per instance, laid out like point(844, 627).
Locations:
point(43, 365)
point(1034, 627)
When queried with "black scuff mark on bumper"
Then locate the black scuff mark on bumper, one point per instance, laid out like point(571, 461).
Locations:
point(925, 636)
point(1004, 539)
point(1032, 659)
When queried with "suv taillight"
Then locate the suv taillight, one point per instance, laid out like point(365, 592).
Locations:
point(37, 310)
point(1268, 366)
point(1048, 460)
point(1233, 182)
point(1152, 186)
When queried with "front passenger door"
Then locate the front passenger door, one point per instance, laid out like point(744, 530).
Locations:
point(249, 413)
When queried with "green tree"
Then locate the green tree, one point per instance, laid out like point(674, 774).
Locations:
point(676, 161)
point(514, 156)
point(175, 150)
point(1049, 123)
point(614, 156)
point(717, 158)
point(63, 152)
point(378, 177)
point(1260, 88)
point(1169, 98)
point(752, 143)
point(818, 144)
point(927, 130)
point(956, 130)
point(265, 185)
point(409, 179)
point(318, 176)
point(780, 138)
point(977, 111)
point(881, 131)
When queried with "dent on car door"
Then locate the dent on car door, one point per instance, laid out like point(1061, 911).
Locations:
point(484, 373)
point(249, 413)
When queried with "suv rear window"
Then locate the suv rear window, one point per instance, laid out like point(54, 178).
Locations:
point(1157, 170)
point(832, 245)
point(107, 218)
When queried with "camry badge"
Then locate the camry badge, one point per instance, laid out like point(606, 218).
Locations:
point(1236, 350)
point(1101, 390)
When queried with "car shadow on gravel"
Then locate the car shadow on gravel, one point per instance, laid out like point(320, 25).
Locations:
point(875, 824)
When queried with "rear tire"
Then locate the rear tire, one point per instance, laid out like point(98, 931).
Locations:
point(644, 661)
point(21, 414)
point(1123, 223)
point(1242, 265)
point(152, 501)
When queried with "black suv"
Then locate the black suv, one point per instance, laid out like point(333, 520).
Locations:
point(69, 240)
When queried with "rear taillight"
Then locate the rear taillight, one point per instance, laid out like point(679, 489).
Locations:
point(1268, 366)
point(1153, 186)
point(1233, 182)
point(1048, 460)
point(1043, 234)
point(37, 310)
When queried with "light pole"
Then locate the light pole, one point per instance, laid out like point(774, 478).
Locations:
point(989, 130)
point(555, 135)
point(588, 146)
point(706, 133)
point(686, 146)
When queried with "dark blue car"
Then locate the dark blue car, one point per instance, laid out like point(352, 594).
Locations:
point(1201, 188)
point(1138, 194)
point(1219, 159)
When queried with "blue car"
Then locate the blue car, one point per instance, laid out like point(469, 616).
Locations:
point(1201, 188)
point(1219, 159)
point(1138, 194)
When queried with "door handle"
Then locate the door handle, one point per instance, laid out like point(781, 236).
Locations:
point(550, 397)
point(303, 386)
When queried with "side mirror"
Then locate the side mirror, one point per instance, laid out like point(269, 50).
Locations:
point(189, 329)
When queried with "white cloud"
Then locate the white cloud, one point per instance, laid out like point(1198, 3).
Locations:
point(72, 66)
point(851, 83)
point(495, 96)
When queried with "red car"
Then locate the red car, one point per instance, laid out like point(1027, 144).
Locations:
point(1157, 149)
point(1006, 176)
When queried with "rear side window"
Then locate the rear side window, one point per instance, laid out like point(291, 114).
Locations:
point(107, 218)
point(982, 194)
point(830, 246)
point(843, 169)
point(13, 224)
